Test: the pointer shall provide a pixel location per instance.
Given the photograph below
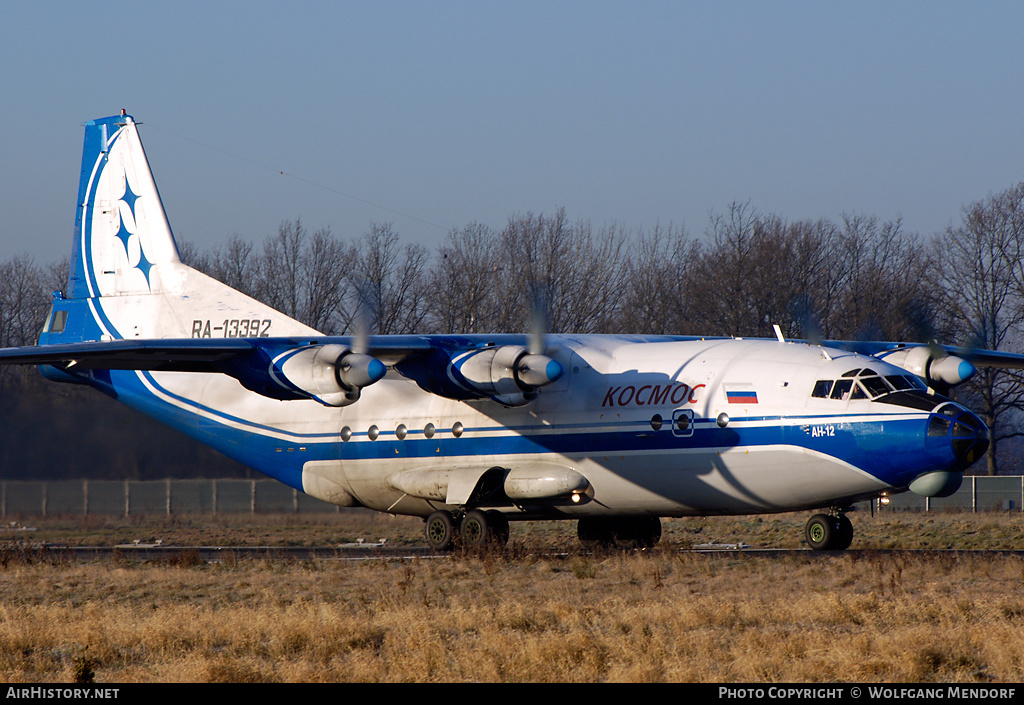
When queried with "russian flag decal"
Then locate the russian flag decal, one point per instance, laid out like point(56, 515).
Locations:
point(740, 394)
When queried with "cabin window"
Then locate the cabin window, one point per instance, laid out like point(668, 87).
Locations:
point(682, 423)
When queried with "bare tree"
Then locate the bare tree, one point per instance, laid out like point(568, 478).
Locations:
point(24, 301)
point(740, 287)
point(657, 291)
point(234, 265)
point(462, 296)
point(279, 271)
point(562, 271)
point(982, 295)
point(388, 279)
point(886, 292)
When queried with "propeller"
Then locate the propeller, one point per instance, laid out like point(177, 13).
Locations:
point(361, 324)
point(357, 368)
point(535, 368)
point(539, 321)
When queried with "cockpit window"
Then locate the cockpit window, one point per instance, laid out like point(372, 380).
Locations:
point(875, 386)
point(899, 382)
point(842, 389)
point(867, 385)
point(822, 388)
point(917, 382)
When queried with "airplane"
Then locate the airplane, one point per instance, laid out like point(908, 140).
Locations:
point(472, 432)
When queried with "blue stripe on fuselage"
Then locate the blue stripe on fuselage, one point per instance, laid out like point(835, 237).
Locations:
point(890, 449)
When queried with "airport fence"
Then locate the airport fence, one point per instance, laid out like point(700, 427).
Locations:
point(134, 497)
point(978, 493)
point(173, 497)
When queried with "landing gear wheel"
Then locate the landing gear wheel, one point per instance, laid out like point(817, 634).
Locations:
point(593, 533)
point(641, 532)
point(499, 528)
point(829, 533)
point(440, 531)
point(480, 529)
point(626, 532)
point(474, 529)
point(844, 533)
point(818, 532)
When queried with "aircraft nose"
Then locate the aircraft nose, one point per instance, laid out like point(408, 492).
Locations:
point(967, 434)
point(970, 437)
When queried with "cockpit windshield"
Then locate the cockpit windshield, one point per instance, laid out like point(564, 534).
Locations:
point(865, 384)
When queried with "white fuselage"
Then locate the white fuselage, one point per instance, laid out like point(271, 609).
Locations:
point(779, 449)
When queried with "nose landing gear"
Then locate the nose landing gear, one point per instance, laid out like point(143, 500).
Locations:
point(829, 532)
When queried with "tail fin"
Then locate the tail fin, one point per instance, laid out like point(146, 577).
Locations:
point(126, 278)
point(121, 232)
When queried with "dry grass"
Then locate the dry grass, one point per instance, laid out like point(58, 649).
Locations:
point(662, 615)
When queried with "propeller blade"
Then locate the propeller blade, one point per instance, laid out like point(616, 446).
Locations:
point(539, 323)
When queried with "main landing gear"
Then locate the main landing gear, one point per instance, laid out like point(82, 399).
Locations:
point(621, 532)
point(829, 532)
point(473, 529)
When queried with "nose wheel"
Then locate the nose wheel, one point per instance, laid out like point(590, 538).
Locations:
point(829, 532)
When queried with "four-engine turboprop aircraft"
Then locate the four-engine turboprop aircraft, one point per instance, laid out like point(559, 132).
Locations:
point(473, 431)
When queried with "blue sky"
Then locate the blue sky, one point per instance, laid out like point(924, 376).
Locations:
point(432, 115)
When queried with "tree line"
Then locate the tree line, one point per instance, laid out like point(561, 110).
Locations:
point(859, 278)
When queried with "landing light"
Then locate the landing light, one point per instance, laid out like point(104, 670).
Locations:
point(884, 500)
point(575, 497)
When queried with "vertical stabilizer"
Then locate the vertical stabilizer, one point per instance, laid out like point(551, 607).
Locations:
point(122, 237)
point(126, 278)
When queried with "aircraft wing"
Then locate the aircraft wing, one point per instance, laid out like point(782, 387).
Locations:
point(190, 354)
point(329, 369)
point(988, 358)
point(180, 355)
point(976, 356)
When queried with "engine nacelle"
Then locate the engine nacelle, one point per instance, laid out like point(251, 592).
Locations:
point(331, 374)
point(937, 370)
point(509, 374)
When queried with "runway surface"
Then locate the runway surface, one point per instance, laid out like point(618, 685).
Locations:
point(375, 551)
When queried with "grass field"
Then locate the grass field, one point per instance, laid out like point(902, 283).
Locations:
point(542, 610)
